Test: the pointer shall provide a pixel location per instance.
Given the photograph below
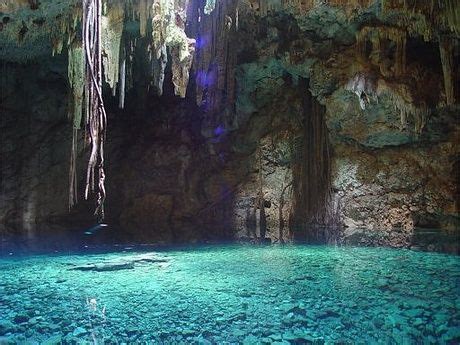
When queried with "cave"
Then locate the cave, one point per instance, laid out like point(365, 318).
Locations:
point(229, 171)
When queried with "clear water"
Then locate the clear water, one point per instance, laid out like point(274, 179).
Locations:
point(234, 294)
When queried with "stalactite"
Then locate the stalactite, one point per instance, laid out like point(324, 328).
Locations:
point(421, 119)
point(76, 76)
point(407, 110)
point(215, 58)
point(437, 14)
point(182, 48)
point(361, 39)
point(112, 30)
point(237, 18)
point(129, 51)
point(263, 7)
point(398, 36)
point(168, 32)
point(364, 87)
point(446, 50)
point(181, 70)
point(122, 85)
point(301, 7)
point(209, 7)
point(160, 59)
point(452, 13)
point(378, 34)
point(64, 32)
point(144, 12)
point(96, 118)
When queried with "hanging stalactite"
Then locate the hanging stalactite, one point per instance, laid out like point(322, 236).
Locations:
point(181, 47)
point(64, 33)
point(446, 50)
point(377, 36)
point(215, 60)
point(301, 7)
point(122, 84)
point(432, 14)
point(168, 33)
point(144, 9)
point(76, 75)
point(96, 118)
point(112, 30)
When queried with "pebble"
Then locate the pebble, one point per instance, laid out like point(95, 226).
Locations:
point(236, 308)
point(54, 340)
point(79, 331)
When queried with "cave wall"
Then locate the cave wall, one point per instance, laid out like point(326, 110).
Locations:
point(34, 144)
point(177, 172)
point(395, 162)
point(164, 185)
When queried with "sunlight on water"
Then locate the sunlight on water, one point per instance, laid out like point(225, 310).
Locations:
point(290, 294)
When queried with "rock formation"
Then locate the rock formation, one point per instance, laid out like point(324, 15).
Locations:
point(317, 120)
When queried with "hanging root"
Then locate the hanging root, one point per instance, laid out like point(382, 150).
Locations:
point(96, 116)
point(73, 196)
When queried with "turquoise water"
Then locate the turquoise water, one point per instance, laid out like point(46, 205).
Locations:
point(233, 294)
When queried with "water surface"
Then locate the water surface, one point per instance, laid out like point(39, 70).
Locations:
point(233, 294)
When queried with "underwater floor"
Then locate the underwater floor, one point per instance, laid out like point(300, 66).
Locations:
point(232, 294)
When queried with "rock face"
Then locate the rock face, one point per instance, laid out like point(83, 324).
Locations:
point(344, 128)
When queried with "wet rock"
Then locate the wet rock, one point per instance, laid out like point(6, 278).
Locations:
point(33, 321)
point(53, 327)
point(54, 340)
point(79, 331)
point(238, 317)
point(107, 267)
point(328, 313)
point(188, 332)
point(21, 318)
point(298, 311)
point(383, 283)
point(130, 331)
point(250, 339)
point(6, 327)
point(414, 313)
point(275, 337)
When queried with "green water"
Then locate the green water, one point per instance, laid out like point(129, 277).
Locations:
point(234, 294)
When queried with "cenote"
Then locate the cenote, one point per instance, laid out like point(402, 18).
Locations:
point(234, 294)
point(229, 172)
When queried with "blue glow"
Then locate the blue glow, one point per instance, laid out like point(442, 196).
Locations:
point(205, 79)
point(219, 130)
point(201, 78)
point(202, 42)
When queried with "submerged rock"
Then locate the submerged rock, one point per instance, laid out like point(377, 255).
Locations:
point(127, 264)
point(107, 267)
point(79, 331)
point(54, 340)
point(6, 327)
point(21, 318)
